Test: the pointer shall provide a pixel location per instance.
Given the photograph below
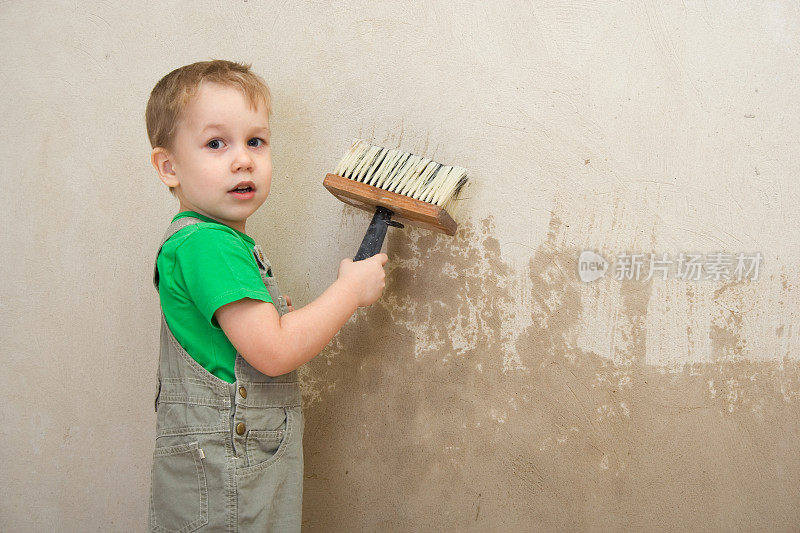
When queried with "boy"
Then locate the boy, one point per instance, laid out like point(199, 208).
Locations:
point(229, 428)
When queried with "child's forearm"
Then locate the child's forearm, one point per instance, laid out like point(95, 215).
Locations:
point(306, 331)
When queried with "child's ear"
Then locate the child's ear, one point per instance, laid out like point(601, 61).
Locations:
point(161, 160)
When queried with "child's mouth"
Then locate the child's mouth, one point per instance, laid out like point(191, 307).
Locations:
point(243, 191)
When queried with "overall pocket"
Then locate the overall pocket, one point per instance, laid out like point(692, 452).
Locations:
point(178, 490)
point(265, 446)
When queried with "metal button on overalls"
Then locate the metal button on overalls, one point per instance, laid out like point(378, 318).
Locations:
point(225, 461)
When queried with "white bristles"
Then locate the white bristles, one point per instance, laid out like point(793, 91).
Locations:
point(402, 173)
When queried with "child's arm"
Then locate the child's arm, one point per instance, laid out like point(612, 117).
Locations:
point(275, 345)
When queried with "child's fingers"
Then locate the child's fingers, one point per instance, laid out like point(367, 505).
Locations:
point(288, 302)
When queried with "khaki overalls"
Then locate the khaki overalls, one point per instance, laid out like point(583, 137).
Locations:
point(228, 456)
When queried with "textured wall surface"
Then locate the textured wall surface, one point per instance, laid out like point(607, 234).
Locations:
point(490, 388)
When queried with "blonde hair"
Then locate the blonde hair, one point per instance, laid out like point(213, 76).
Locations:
point(172, 94)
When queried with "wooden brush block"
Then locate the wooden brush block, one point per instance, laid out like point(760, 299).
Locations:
point(405, 208)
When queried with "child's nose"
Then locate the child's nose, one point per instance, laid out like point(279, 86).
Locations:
point(242, 160)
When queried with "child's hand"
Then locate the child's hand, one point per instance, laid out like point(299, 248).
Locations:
point(365, 279)
point(288, 302)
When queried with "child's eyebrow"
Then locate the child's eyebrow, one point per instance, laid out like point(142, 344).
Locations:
point(220, 126)
point(211, 126)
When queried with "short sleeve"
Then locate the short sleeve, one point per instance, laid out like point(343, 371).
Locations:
point(217, 268)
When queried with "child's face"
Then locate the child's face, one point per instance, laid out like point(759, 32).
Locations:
point(220, 143)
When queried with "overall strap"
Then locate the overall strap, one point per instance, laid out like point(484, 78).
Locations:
point(173, 228)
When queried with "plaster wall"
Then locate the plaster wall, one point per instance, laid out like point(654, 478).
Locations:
point(489, 388)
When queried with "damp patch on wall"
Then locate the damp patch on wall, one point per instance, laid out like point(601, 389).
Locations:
point(472, 386)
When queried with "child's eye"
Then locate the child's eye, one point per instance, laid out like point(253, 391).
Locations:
point(214, 144)
point(257, 140)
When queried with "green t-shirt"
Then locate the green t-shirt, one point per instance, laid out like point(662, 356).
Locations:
point(201, 268)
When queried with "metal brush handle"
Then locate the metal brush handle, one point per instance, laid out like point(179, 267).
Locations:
point(373, 240)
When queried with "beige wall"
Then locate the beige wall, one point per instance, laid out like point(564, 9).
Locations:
point(489, 389)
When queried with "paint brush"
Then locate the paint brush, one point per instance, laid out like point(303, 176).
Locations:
point(395, 185)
